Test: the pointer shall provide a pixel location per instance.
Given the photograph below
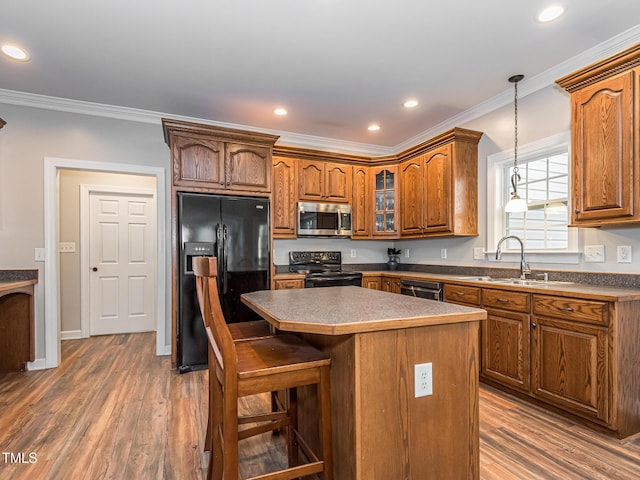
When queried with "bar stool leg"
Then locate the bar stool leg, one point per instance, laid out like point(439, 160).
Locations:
point(324, 400)
point(292, 441)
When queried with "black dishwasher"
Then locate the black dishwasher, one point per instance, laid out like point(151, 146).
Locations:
point(421, 289)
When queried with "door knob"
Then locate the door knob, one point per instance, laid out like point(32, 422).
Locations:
point(94, 269)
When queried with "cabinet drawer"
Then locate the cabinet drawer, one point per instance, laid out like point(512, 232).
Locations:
point(571, 309)
point(462, 294)
point(284, 284)
point(506, 300)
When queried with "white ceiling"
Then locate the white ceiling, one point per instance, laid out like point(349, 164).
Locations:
point(336, 65)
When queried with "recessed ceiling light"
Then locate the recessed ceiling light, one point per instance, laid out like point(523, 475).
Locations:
point(373, 127)
point(550, 13)
point(16, 53)
point(410, 104)
point(280, 111)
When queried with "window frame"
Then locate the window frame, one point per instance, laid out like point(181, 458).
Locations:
point(495, 202)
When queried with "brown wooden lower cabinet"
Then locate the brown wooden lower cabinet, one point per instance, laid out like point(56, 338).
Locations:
point(17, 345)
point(374, 283)
point(505, 352)
point(576, 354)
point(390, 284)
point(570, 366)
point(288, 283)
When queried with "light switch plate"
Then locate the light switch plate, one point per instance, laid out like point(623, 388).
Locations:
point(67, 247)
point(478, 253)
point(39, 254)
point(594, 253)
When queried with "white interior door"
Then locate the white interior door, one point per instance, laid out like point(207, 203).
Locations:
point(121, 259)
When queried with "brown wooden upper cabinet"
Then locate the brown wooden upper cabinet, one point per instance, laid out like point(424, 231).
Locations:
point(605, 101)
point(361, 204)
point(320, 181)
point(283, 198)
point(219, 159)
point(438, 188)
point(375, 199)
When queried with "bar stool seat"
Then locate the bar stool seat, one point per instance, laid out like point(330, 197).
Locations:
point(261, 365)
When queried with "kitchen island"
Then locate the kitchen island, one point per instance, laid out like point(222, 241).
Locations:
point(381, 430)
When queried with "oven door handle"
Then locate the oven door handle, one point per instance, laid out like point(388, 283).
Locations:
point(336, 277)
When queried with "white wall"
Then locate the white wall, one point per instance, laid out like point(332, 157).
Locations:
point(367, 251)
point(32, 134)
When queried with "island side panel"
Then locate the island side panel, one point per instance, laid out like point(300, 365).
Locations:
point(625, 366)
point(341, 349)
point(400, 436)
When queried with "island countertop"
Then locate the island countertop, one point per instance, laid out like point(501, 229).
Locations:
point(347, 310)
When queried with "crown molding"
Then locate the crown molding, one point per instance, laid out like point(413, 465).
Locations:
point(34, 100)
point(527, 87)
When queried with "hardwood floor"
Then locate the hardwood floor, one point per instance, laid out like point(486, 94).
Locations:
point(115, 410)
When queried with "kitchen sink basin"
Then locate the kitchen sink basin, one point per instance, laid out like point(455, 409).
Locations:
point(519, 281)
point(515, 281)
point(477, 279)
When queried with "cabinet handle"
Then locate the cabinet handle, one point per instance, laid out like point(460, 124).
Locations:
point(534, 325)
point(503, 300)
point(577, 210)
point(459, 293)
point(565, 309)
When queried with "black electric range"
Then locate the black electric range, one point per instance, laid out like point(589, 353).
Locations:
point(322, 269)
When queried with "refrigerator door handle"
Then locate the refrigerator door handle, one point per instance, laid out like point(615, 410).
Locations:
point(225, 236)
point(219, 253)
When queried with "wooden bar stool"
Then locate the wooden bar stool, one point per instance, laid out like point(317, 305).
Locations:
point(238, 330)
point(250, 367)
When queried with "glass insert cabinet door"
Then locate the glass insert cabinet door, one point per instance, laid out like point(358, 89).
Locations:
point(385, 183)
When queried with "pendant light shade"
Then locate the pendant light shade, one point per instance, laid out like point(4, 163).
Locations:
point(516, 204)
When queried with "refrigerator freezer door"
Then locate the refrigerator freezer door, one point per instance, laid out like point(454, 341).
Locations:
point(246, 261)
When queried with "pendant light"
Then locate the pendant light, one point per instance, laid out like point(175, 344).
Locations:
point(516, 204)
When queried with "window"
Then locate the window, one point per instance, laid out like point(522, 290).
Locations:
point(544, 184)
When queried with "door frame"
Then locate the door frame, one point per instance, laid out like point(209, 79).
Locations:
point(52, 165)
point(85, 216)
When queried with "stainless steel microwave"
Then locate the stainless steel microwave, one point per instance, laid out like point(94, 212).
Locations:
point(324, 220)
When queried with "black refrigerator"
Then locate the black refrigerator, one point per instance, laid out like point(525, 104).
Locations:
point(236, 230)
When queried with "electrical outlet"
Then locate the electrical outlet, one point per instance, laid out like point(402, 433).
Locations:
point(594, 253)
point(443, 253)
point(478, 253)
point(354, 254)
point(67, 247)
point(423, 379)
point(406, 253)
point(624, 253)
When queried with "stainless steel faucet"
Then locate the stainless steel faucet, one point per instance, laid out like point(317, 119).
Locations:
point(524, 268)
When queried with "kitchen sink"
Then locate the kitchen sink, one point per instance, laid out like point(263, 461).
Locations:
point(477, 279)
point(519, 281)
point(515, 281)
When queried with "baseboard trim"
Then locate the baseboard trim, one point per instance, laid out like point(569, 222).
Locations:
point(71, 335)
point(37, 364)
